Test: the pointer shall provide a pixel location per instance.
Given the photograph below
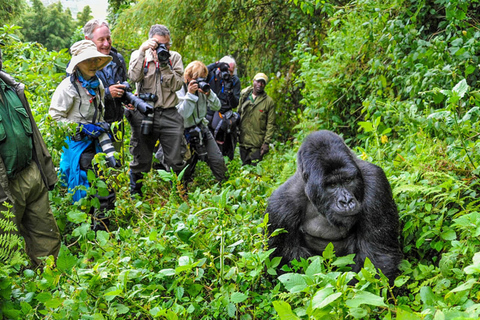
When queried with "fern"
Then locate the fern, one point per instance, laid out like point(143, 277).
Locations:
point(9, 239)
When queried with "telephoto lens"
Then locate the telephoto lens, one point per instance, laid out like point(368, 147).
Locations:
point(108, 149)
point(147, 124)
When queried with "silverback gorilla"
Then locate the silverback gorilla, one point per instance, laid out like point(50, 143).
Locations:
point(335, 197)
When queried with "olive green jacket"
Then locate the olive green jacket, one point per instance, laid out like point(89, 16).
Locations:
point(257, 119)
point(41, 156)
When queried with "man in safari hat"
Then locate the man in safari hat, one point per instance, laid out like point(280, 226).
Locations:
point(257, 121)
point(26, 174)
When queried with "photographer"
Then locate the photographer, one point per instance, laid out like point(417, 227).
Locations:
point(79, 99)
point(195, 96)
point(156, 70)
point(225, 83)
point(257, 124)
point(114, 74)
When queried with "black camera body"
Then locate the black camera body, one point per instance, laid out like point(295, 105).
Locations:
point(224, 73)
point(195, 138)
point(203, 84)
point(162, 53)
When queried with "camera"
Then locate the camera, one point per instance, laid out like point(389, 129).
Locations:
point(142, 104)
point(162, 53)
point(137, 102)
point(108, 148)
point(195, 138)
point(148, 97)
point(224, 73)
point(203, 84)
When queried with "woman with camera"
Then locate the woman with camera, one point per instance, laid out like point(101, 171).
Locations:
point(195, 99)
point(79, 99)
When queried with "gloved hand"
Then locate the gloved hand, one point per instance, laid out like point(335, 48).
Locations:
point(104, 125)
point(264, 149)
point(92, 130)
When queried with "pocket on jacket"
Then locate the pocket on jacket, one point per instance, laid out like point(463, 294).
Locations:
point(25, 120)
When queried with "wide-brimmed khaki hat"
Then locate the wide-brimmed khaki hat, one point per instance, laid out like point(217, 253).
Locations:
point(261, 76)
point(84, 50)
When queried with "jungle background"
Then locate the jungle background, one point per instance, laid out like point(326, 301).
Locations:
point(396, 78)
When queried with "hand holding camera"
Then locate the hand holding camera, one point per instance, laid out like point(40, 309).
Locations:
point(149, 44)
point(117, 90)
point(200, 84)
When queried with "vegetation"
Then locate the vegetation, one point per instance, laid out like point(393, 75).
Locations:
point(397, 78)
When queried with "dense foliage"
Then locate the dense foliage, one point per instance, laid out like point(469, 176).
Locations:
point(397, 78)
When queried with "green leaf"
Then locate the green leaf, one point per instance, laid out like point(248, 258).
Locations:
point(53, 303)
point(324, 297)
point(167, 272)
point(461, 88)
point(238, 297)
point(284, 310)
point(77, 216)
point(449, 235)
point(364, 297)
point(121, 308)
point(366, 126)
point(43, 296)
point(102, 237)
point(65, 261)
point(475, 267)
point(358, 313)
point(293, 282)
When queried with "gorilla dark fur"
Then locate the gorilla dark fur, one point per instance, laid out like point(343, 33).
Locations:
point(335, 197)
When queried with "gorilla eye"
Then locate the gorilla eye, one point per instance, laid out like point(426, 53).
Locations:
point(305, 176)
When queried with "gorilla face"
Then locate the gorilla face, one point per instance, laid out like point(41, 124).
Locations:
point(333, 182)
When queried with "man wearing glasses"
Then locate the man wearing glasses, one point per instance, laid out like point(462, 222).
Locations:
point(156, 70)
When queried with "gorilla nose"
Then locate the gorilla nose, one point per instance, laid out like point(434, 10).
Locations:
point(347, 203)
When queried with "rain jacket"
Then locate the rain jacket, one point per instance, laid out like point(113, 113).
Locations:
point(257, 119)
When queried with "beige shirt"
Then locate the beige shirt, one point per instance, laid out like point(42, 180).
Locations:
point(164, 81)
point(66, 107)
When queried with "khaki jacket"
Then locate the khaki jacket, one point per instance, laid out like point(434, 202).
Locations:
point(162, 81)
point(68, 106)
point(41, 156)
point(257, 119)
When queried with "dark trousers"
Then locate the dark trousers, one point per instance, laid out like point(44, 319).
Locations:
point(250, 156)
point(214, 157)
point(168, 128)
point(100, 222)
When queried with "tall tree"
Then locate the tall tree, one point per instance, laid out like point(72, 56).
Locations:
point(9, 9)
point(51, 26)
point(84, 16)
